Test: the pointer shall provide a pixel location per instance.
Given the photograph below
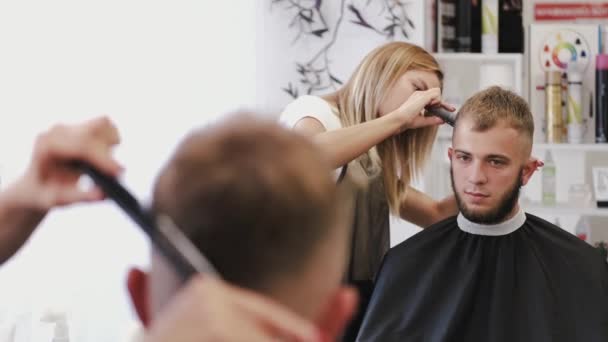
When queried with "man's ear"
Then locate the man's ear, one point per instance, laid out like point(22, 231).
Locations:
point(337, 313)
point(138, 286)
point(528, 170)
point(450, 153)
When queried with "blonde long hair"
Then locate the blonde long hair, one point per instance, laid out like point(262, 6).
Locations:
point(359, 101)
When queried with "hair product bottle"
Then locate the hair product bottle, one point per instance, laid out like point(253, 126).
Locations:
point(553, 107)
point(489, 26)
point(549, 181)
point(583, 229)
point(575, 119)
point(61, 332)
point(601, 101)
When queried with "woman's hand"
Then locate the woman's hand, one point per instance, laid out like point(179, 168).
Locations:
point(411, 113)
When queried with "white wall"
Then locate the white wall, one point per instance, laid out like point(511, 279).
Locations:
point(158, 68)
point(278, 50)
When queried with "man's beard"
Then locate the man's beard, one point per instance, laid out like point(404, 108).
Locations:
point(497, 214)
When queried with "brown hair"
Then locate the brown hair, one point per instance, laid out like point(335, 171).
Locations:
point(495, 104)
point(359, 101)
point(255, 198)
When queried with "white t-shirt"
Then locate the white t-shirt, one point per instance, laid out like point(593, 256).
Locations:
point(314, 107)
point(310, 106)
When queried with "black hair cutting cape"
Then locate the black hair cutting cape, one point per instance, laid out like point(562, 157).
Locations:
point(536, 283)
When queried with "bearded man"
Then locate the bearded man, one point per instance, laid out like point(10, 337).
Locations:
point(493, 272)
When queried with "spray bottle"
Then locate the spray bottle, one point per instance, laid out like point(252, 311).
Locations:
point(575, 120)
point(549, 181)
point(553, 106)
point(61, 333)
point(489, 26)
point(601, 98)
point(583, 229)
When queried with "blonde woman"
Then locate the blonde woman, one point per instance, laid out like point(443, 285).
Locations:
point(373, 127)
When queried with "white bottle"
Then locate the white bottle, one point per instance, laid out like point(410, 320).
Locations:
point(583, 229)
point(489, 26)
point(61, 333)
point(575, 119)
point(549, 181)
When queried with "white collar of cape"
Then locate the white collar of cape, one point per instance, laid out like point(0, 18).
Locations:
point(503, 228)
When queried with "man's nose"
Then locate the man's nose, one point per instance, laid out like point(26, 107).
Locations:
point(477, 173)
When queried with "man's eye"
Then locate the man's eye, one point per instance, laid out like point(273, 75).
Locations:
point(463, 158)
point(495, 162)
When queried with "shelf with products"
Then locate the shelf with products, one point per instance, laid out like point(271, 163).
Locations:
point(478, 57)
point(572, 147)
point(467, 73)
point(563, 209)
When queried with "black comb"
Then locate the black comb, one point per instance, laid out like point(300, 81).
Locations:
point(162, 231)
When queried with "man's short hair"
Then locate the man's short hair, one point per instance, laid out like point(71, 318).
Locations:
point(495, 104)
point(255, 198)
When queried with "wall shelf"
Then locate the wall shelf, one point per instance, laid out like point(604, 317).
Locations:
point(464, 77)
point(573, 147)
point(563, 209)
point(477, 57)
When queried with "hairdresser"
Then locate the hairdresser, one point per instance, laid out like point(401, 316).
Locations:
point(191, 316)
point(374, 128)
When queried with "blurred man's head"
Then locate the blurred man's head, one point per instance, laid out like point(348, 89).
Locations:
point(260, 203)
point(490, 154)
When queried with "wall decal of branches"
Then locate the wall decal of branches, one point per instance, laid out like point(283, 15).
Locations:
point(309, 20)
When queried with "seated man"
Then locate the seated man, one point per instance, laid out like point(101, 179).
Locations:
point(493, 273)
point(261, 205)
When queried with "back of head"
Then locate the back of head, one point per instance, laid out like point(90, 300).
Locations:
point(495, 105)
point(256, 199)
point(360, 100)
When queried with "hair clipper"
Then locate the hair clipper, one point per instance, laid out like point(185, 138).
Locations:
point(443, 114)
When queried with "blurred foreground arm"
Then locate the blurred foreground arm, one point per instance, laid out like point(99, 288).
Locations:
point(48, 182)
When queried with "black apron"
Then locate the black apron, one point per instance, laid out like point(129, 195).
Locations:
point(538, 283)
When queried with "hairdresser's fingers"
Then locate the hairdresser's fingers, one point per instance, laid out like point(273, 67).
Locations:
point(424, 121)
point(100, 156)
point(97, 137)
point(272, 316)
point(434, 98)
point(434, 102)
point(58, 195)
point(433, 95)
point(448, 106)
point(97, 153)
point(63, 143)
point(102, 128)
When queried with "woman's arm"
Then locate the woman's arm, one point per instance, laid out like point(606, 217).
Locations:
point(343, 145)
point(423, 211)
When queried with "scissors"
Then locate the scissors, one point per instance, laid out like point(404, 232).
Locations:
point(166, 237)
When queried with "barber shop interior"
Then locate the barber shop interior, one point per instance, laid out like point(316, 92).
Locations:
point(304, 170)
